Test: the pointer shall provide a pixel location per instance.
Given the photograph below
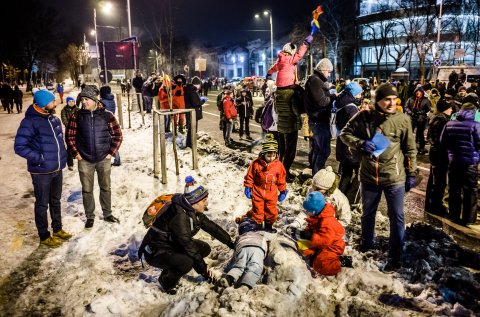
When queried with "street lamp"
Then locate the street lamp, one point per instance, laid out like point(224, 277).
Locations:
point(269, 13)
point(96, 41)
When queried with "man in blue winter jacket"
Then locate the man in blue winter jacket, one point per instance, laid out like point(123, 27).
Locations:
point(39, 139)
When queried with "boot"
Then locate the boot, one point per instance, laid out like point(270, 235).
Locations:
point(346, 261)
point(51, 242)
point(63, 235)
point(269, 228)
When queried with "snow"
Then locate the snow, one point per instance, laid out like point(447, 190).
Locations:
point(97, 272)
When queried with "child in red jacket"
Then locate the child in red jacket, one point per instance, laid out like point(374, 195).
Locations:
point(323, 236)
point(266, 177)
point(229, 113)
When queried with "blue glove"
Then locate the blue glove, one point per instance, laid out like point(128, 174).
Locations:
point(314, 29)
point(282, 196)
point(203, 99)
point(248, 192)
point(308, 40)
point(410, 183)
point(189, 179)
point(368, 147)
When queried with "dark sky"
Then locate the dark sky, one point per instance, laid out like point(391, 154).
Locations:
point(207, 21)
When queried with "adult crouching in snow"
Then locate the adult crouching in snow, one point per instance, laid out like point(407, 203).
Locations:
point(169, 243)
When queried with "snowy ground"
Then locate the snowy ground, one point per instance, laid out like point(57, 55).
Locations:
point(97, 273)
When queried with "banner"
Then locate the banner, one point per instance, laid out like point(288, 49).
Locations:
point(118, 55)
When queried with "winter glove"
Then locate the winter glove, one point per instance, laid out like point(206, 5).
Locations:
point(368, 147)
point(203, 99)
point(282, 196)
point(410, 183)
point(248, 192)
point(314, 29)
point(306, 234)
point(308, 40)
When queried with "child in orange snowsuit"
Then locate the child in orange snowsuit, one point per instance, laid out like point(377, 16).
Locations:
point(266, 177)
point(323, 234)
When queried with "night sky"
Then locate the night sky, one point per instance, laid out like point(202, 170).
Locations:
point(208, 21)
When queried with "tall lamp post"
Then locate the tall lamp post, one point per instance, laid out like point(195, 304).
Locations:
point(269, 13)
point(439, 27)
point(96, 41)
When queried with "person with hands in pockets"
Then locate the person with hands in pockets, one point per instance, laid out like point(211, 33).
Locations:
point(265, 183)
point(392, 171)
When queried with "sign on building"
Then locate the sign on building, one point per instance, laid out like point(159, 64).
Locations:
point(200, 64)
point(118, 55)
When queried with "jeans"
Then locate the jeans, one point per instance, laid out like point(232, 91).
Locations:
point(176, 263)
point(394, 195)
point(462, 179)
point(287, 148)
point(147, 103)
point(87, 174)
point(320, 150)
point(48, 192)
point(227, 130)
point(247, 265)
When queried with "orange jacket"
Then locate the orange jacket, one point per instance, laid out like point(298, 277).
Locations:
point(163, 98)
point(327, 241)
point(178, 97)
point(229, 109)
point(264, 178)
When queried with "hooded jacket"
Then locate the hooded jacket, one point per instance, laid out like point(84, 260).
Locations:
point(286, 66)
point(398, 160)
point(175, 229)
point(418, 108)
point(438, 153)
point(461, 138)
point(39, 139)
point(317, 99)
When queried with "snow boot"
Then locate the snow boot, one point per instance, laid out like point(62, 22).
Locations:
point(89, 223)
point(170, 291)
point(51, 242)
point(63, 235)
point(346, 261)
point(269, 228)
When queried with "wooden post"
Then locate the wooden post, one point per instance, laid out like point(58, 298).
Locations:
point(156, 116)
point(120, 109)
point(193, 131)
point(163, 149)
point(140, 106)
point(129, 110)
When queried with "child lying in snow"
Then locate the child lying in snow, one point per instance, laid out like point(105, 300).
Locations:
point(251, 246)
point(323, 234)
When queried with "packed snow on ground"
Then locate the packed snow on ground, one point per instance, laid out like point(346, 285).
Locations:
point(97, 273)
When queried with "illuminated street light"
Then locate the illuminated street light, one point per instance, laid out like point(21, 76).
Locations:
point(269, 13)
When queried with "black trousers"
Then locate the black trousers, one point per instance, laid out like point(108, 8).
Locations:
point(437, 181)
point(287, 148)
point(349, 183)
point(176, 264)
point(462, 180)
point(244, 123)
point(420, 125)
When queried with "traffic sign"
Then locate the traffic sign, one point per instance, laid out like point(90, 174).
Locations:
point(437, 62)
point(102, 77)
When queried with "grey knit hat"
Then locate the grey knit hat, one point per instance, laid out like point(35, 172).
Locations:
point(90, 91)
point(324, 64)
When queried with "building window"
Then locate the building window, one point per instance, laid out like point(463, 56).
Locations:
point(239, 72)
point(230, 74)
point(260, 71)
point(222, 73)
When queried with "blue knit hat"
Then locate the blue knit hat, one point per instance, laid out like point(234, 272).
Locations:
point(314, 203)
point(196, 195)
point(353, 88)
point(70, 98)
point(43, 97)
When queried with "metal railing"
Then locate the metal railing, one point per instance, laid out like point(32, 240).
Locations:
point(159, 133)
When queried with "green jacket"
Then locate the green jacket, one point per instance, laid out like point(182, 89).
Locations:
point(397, 161)
point(286, 103)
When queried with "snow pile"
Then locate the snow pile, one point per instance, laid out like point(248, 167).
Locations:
point(97, 273)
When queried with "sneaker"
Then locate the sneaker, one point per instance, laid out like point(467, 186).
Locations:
point(111, 219)
point(346, 261)
point(62, 234)
point(89, 223)
point(51, 242)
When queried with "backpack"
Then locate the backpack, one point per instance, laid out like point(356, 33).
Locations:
point(156, 209)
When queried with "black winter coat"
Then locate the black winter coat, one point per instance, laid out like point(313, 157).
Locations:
point(317, 98)
point(93, 136)
point(438, 153)
point(175, 229)
point(137, 83)
point(192, 100)
point(346, 109)
point(244, 106)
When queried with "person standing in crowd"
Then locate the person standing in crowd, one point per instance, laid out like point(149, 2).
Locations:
point(452, 79)
point(220, 97)
point(178, 100)
point(417, 107)
point(60, 91)
point(67, 112)
point(193, 101)
point(18, 99)
point(392, 171)
point(347, 106)
point(93, 138)
point(147, 90)
point(7, 97)
point(461, 138)
point(137, 84)
point(402, 91)
point(108, 100)
point(437, 180)
point(318, 106)
point(39, 139)
point(245, 113)
point(170, 245)
point(229, 114)
point(458, 97)
point(288, 100)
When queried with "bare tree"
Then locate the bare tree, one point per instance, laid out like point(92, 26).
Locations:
point(378, 34)
point(472, 34)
